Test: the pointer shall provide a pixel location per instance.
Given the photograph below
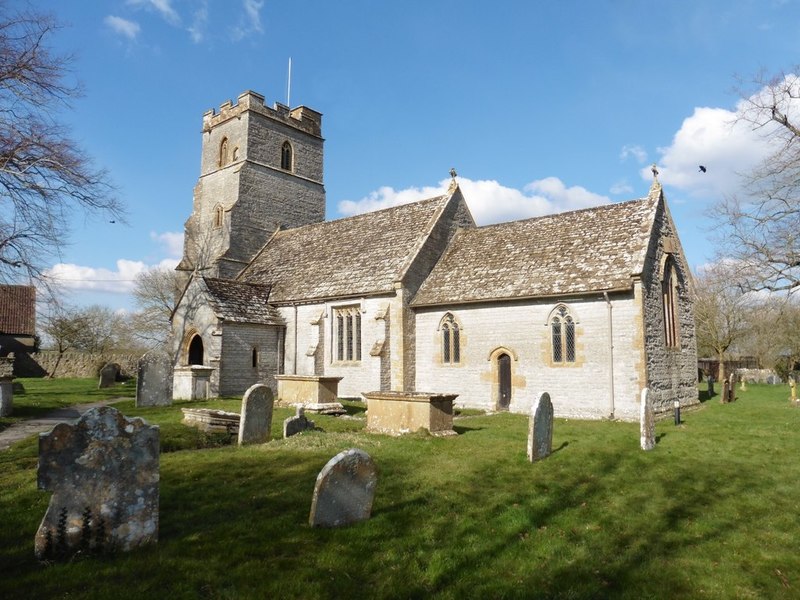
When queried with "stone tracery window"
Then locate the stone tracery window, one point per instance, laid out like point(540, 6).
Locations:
point(347, 324)
point(286, 156)
point(669, 291)
point(562, 335)
point(451, 340)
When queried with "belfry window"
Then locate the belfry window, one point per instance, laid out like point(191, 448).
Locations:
point(669, 291)
point(562, 335)
point(286, 156)
point(347, 322)
point(223, 152)
point(451, 340)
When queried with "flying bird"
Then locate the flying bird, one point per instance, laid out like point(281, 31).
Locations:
point(702, 169)
point(112, 221)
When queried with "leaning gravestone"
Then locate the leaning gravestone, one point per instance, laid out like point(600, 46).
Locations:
point(256, 420)
point(540, 429)
point(103, 472)
point(297, 424)
point(647, 421)
point(154, 380)
point(108, 375)
point(344, 490)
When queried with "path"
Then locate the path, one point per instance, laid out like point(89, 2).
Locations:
point(23, 429)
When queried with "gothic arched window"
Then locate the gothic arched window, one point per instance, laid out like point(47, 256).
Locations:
point(223, 152)
point(286, 156)
point(451, 340)
point(562, 335)
point(219, 216)
point(669, 291)
point(347, 334)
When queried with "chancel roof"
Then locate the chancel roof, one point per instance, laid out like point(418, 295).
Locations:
point(241, 302)
point(576, 252)
point(360, 255)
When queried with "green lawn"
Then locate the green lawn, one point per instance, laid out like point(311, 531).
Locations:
point(712, 512)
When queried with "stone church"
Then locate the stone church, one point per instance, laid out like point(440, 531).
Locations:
point(591, 305)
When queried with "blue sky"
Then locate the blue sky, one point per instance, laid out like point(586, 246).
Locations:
point(540, 106)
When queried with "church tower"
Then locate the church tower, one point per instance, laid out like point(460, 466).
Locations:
point(260, 170)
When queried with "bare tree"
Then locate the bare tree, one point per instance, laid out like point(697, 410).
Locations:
point(156, 293)
point(65, 329)
point(761, 228)
point(720, 312)
point(44, 175)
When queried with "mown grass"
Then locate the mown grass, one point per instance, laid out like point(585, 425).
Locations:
point(39, 396)
point(710, 513)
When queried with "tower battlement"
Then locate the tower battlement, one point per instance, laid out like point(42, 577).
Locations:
point(301, 117)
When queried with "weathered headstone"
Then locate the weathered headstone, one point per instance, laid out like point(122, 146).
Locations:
point(344, 490)
point(154, 380)
point(6, 386)
point(793, 389)
point(108, 375)
point(297, 424)
point(725, 392)
point(540, 429)
point(647, 421)
point(710, 385)
point(103, 472)
point(256, 421)
point(731, 387)
point(743, 384)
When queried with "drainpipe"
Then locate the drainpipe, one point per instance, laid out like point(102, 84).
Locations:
point(294, 362)
point(610, 357)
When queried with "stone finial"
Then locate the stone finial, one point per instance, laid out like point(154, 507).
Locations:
point(654, 170)
point(453, 182)
point(103, 472)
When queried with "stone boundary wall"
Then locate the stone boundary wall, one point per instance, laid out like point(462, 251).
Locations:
point(755, 375)
point(73, 364)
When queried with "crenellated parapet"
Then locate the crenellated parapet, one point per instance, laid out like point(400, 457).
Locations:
point(301, 117)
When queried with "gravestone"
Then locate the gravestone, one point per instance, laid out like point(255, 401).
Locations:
point(256, 420)
point(540, 429)
point(297, 424)
point(6, 386)
point(154, 380)
point(647, 421)
point(108, 375)
point(793, 389)
point(103, 472)
point(731, 387)
point(725, 392)
point(344, 490)
point(710, 385)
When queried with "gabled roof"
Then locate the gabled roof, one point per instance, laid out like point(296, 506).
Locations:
point(576, 252)
point(240, 302)
point(355, 256)
point(18, 310)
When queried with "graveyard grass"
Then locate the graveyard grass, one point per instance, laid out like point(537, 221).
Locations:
point(711, 512)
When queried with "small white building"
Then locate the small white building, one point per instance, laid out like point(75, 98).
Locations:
point(590, 305)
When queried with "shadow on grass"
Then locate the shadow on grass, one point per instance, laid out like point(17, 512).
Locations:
point(459, 429)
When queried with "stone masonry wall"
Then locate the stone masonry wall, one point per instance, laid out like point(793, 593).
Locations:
point(520, 329)
point(77, 364)
point(236, 371)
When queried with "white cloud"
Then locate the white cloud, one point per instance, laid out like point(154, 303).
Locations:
point(636, 152)
point(163, 7)
point(199, 20)
point(251, 20)
point(489, 201)
point(170, 241)
point(129, 29)
point(621, 187)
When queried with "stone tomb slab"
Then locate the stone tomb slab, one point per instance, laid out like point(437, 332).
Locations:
point(208, 419)
point(540, 429)
point(344, 490)
point(307, 389)
point(154, 380)
point(397, 413)
point(647, 421)
point(256, 421)
point(104, 475)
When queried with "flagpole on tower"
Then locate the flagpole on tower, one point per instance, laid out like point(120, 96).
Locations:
point(289, 85)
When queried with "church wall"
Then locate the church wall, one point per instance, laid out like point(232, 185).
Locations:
point(520, 329)
point(671, 372)
point(315, 349)
point(236, 371)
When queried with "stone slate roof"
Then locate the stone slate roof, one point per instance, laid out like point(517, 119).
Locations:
point(18, 310)
point(240, 302)
point(576, 252)
point(356, 256)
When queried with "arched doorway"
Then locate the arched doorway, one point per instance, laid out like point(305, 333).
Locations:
point(196, 350)
point(504, 381)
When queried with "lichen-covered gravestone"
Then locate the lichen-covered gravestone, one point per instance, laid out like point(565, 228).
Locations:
point(297, 424)
point(647, 421)
point(108, 375)
point(103, 472)
point(154, 380)
point(344, 490)
point(6, 386)
point(256, 420)
point(540, 429)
